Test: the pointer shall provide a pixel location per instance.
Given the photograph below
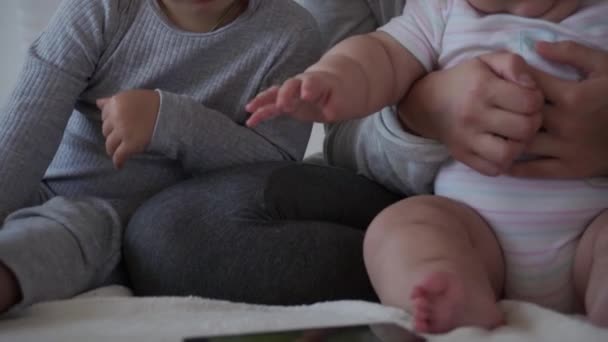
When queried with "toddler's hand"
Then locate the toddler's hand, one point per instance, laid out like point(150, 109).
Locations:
point(128, 122)
point(309, 97)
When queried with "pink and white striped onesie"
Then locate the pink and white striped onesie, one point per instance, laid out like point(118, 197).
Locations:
point(537, 222)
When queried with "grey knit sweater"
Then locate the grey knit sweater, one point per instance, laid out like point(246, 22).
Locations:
point(51, 129)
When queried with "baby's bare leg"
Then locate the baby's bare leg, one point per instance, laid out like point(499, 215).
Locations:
point(438, 259)
point(590, 275)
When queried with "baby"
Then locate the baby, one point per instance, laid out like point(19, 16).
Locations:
point(449, 257)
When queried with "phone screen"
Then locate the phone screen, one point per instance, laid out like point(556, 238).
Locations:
point(355, 333)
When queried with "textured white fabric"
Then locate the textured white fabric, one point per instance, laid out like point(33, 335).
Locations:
point(108, 314)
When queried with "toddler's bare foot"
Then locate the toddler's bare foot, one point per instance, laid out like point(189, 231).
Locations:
point(440, 303)
point(10, 294)
point(597, 292)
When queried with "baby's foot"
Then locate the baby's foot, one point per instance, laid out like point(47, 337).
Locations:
point(597, 292)
point(440, 303)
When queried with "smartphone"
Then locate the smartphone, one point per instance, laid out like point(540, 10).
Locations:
point(382, 332)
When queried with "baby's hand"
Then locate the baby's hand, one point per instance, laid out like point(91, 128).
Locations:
point(309, 96)
point(128, 122)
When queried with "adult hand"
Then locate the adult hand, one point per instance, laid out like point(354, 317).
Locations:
point(128, 122)
point(574, 141)
point(485, 110)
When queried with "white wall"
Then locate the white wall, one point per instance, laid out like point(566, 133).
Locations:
point(316, 140)
point(12, 51)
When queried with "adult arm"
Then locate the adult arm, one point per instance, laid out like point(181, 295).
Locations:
point(573, 142)
point(57, 68)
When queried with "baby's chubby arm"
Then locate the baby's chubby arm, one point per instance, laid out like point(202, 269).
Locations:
point(357, 77)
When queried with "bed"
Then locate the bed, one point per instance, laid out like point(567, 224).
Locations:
point(113, 314)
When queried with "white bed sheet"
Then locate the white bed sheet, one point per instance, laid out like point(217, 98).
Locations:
point(111, 314)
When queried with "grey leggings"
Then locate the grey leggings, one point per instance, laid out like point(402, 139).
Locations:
point(272, 233)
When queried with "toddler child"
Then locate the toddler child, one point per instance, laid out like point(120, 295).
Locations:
point(160, 82)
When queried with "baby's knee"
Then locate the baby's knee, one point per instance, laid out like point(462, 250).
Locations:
point(424, 210)
point(422, 216)
point(409, 214)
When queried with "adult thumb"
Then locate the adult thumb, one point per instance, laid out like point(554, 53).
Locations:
point(585, 59)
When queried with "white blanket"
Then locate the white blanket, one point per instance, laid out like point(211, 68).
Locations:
point(111, 314)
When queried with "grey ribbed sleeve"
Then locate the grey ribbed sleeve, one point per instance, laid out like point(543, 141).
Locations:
point(50, 128)
point(56, 72)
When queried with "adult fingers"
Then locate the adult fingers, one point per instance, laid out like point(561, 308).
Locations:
point(570, 97)
point(586, 59)
point(545, 145)
point(548, 163)
point(538, 168)
point(552, 87)
point(479, 164)
point(587, 95)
